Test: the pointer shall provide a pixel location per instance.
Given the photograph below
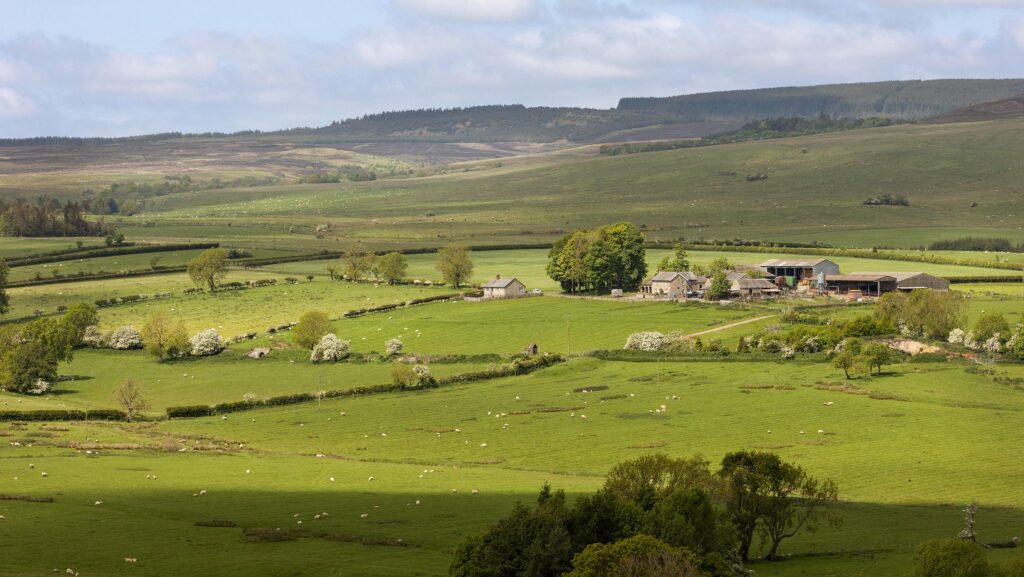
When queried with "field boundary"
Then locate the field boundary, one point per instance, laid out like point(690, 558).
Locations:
point(515, 368)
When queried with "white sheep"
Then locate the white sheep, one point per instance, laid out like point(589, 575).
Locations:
point(97, 503)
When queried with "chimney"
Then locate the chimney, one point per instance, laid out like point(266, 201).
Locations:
point(497, 277)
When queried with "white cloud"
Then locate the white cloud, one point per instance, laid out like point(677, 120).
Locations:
point(15, 105)
point(476, 10)
point(224, 81)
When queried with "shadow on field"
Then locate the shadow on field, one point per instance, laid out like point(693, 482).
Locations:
point(190, 527)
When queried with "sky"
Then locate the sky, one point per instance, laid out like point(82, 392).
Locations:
point(123, 67)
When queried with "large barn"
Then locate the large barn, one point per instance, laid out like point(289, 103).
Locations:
point(908, 281)
point(860, 284)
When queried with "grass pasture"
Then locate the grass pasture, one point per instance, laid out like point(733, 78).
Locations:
point(719, 407)
point(557, 325)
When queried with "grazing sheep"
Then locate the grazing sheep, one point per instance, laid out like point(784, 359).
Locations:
point(483, 444)
point(475, 492)
point(202, 492)
point(821, 431)
point(364, 515)
point(3, 518)
point(332, 479)
point(371, 478)
point(130, 560)
point(417, 501)
point(97, 503)
point(44, 474)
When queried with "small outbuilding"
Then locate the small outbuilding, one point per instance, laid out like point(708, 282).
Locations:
point(531, 349)
point(504, 288)
point(753, 288)
point(257, 353)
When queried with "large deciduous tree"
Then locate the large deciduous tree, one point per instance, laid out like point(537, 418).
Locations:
point(209, 267)
point(129, 397)
point(164, 338)
point(777, 498)
point(312, 327)
point(392, 267)
point(455, 263)
point(358, 263)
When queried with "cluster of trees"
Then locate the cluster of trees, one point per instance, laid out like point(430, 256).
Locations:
point(48, 217)
point(359, 263)
point(923, 313)
point(656, 511)
point(129, 198)
point(977, 244)
point(870, 356)
point(350, 172)
point(31, 352)
point(454, 262)
point(598, 260)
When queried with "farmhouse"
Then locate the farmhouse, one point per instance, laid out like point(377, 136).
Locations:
point(796, 270)
point(908, 281)
point(504, 288)
point(750, 288)
point(672, 283)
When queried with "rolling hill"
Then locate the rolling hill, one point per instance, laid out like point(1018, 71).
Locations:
point(900, 100)
point(995, 110)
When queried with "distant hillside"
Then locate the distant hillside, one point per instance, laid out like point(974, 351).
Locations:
point(503, 123)
point(995, 110)
point(898, 100)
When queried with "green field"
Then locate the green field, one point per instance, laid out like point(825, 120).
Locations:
point(230, 312)
point(864, 443)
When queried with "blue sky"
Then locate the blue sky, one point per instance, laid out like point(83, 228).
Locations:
point(116, 67)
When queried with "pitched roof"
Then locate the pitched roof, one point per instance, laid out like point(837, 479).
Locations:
point(778, 262)
point(899, 276)
point(753, 283)
point(501, 282)
point(861, 277)
point(666, 276)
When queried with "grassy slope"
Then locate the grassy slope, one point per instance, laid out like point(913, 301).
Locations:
point(693, 193)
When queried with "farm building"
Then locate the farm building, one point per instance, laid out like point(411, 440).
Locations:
point(796, 270)
point(675, 284)
point(504, 288)
point(860, 284)
point(731, 276)
point(907, 281)
point(753, 288)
